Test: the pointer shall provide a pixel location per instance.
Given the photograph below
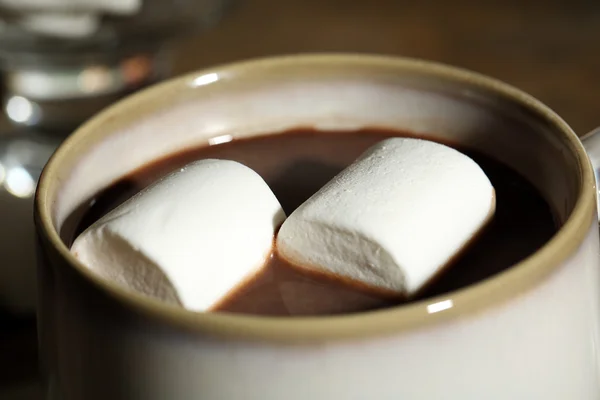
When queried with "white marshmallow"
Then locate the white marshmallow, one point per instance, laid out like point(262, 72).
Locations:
point(189, 238)
point(393, 218)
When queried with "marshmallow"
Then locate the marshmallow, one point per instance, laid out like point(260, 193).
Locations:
point(188, 239)
point(393, 219)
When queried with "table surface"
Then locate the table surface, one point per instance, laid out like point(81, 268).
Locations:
point(548, 48)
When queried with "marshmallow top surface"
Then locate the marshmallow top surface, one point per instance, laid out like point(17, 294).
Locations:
point(189, 238)
point(393, 218)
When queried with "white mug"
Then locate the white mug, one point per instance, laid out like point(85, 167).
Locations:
point(530, 332)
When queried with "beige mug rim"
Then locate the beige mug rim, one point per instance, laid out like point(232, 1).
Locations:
point(465, 301)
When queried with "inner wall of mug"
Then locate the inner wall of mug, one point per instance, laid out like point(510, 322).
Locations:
point(218, 107)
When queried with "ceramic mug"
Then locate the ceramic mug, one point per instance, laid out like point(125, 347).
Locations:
point(530, 332)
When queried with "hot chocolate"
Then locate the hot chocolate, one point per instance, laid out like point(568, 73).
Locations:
point(296, 164)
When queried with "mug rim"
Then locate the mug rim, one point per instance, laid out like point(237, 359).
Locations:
point(467, 300)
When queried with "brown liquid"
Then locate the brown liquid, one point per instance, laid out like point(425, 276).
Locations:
point(283, 289)
point(295, 165)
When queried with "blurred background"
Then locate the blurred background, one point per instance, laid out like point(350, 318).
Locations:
point(60, 65)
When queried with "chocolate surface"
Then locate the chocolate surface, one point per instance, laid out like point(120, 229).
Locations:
point(296, 164)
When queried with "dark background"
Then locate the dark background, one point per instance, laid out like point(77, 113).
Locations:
point(550, 48)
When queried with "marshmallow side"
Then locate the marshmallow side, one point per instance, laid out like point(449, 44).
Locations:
point(393, 219)
point(189, 238)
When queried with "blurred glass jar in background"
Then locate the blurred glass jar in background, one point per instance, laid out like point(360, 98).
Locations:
point(59, 65)
point(22, 158)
